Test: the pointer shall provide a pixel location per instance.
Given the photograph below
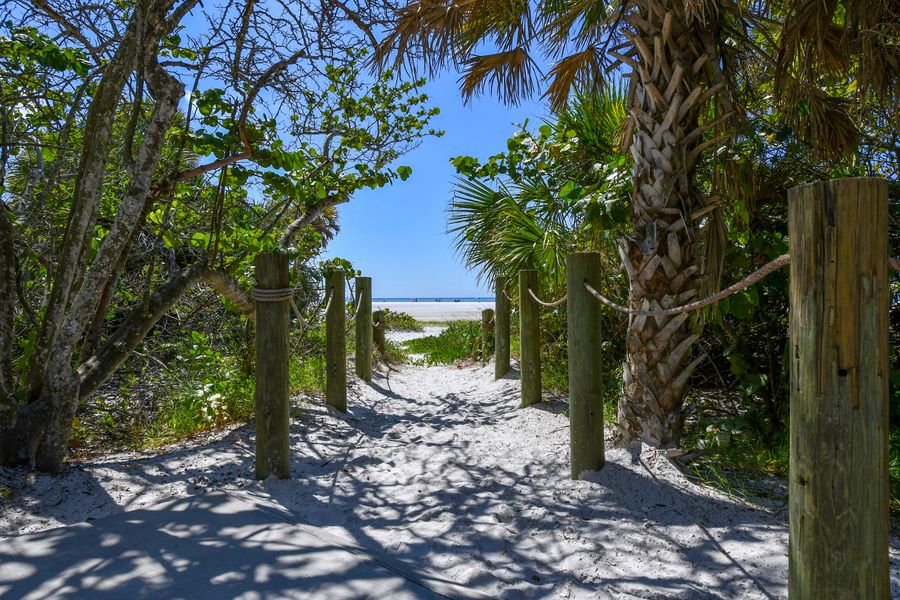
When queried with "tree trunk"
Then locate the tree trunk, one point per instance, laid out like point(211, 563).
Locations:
point(7, 307)
point(38, 436)
point(668, 90)
point(89, 182)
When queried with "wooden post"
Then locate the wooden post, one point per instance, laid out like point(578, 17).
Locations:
point(272, 374)
point(530, 333)
point(501, 330)
point(335, 343)
point(585, 364)
point(364, 328)
point(487, 333)
point(839, 390)
point(378, 331)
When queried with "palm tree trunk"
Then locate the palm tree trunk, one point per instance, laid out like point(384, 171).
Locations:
point(669, 86)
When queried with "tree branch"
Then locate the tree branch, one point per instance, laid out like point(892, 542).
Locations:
point(273, 71)
point(312, 213)
point(139, 321)
point(228, 287)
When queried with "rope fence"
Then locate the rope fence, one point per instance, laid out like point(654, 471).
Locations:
point(553, 304)
point(754, 277)
point(280, 295)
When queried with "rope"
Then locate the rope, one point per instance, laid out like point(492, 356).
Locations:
point(328, 303)
point(547, 304)
point(352, 320)
point(273, 295)
point(358, 307)
point(279, 295)
point(754, 277)
point(894, 263)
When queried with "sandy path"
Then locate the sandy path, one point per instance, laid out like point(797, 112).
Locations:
point(438, 466)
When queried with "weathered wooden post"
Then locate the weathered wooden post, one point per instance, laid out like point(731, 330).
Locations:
point(585, 364)
point(530, 334)
point(501, 330)
point(839, 390)
point(487, 333)
point(272, 364)
point(335, 348)
point(364, 328)
point(378, 332)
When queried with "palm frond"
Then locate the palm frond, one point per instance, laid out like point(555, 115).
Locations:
point(583, 71)
point(598, 118)
point(859, 38)
point(510, 74)
point(820, 119)
point(431, 31)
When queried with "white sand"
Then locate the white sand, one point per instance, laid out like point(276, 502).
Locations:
point(437, 311)
point(438, 466)
point(403, 336)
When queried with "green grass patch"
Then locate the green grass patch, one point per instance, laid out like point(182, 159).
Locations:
point(460, 341)
point(308, 374)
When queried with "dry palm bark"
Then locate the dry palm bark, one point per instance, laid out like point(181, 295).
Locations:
point(671, 84)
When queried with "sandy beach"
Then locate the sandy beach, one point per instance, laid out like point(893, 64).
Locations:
point(437, 311)
point(437, 467)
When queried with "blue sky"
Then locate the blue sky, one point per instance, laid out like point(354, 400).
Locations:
point(396, 234)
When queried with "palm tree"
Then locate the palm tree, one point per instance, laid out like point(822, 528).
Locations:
point(685, 60)
point(501, 231)
point(509, 213)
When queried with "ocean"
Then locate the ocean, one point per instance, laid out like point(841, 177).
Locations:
point(437, 299)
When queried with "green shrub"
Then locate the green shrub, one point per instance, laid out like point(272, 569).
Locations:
point(217, 392)
point(461, 340)
point(401, 321)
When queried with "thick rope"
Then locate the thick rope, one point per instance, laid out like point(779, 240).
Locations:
point(328, 303)
point(547, 304)
point(352, 320)
point(754, 277)
point(358, 306)
point(279, 295)
point(272, 295)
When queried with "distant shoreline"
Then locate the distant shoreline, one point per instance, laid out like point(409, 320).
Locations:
point(437, 299)
point(437, 311)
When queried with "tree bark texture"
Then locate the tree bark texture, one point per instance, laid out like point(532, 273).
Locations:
point(585, 364)
point(7, 311)
point(363, 328)
point(839, 390)
point(501, 331)
point(38, 433)
point(379, 330)
point(530, 335)
point(335, 343)
point(671, 65)
point(272, 371)
point(60, 379)
point(487, 333)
